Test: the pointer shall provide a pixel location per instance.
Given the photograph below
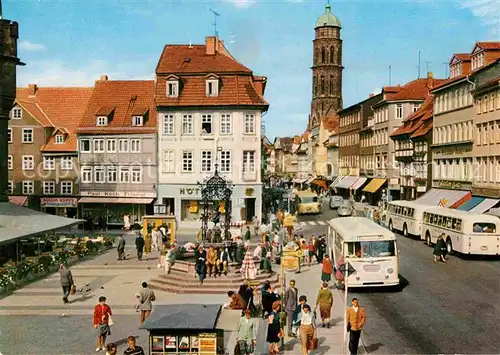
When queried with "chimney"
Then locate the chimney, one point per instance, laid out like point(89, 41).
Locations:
point(32, 89)
point(211, 44)
point(430, 75)
point(104, 78)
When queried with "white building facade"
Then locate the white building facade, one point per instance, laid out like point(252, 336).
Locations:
point(209, 117)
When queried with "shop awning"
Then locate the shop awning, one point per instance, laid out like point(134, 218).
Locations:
point(137, 201)
point(320, 182)
point(484, 206)
point(358, 183)
point(470, 204)
point(441, 197)
point(374, 185)
point(19, 200)
point(347, 182)
point(335, 182)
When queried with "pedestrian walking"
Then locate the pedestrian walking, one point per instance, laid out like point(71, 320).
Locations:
point(132, 348)
point(146, 298)
point(120, 247)
point(201, 263)
point(112, 349)
point(290, 301)
point(126, 221)
point(325, 303)
point(440, 249)
point(66, 282)
point(296, 315)
point(102, 322)
point(305, 252)
point(274, 331)
point(311, 251)
point(247, 333)
point(248, 236)
point(139, 245)
point(327, 269)
point(308, 339)
point(356, 319)
point(170, 258)
point(268, 299)
point(248, 268)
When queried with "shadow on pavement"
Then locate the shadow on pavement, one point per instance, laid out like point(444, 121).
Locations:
point(82, 298)
point(487, 258)
point(403, 283)
point(322, 349)
point(373, 347)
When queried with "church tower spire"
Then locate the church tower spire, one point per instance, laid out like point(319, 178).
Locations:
point(327, 68)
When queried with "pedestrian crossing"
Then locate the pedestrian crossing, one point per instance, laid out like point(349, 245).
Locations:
point(310, 223)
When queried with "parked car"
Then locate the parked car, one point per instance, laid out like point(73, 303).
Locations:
point(344, 211)
point(336, 202)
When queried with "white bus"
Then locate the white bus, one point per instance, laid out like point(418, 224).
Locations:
point(371, 250)
point(464, 232)
point(406, 217)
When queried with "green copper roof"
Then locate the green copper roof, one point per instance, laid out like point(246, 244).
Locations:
point(328, 19)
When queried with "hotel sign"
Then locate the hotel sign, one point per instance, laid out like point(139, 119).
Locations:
point(446, 184)
point(128, 194)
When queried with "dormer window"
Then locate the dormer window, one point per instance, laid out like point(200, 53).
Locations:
point(172, 88)
point(102, 121)
point(212, 87)
point(17, 113)
point(59, 139)
point(137, 120)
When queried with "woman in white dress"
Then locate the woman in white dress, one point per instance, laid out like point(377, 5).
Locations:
point(126, 221)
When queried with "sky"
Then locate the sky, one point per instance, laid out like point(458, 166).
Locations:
point(73, 42)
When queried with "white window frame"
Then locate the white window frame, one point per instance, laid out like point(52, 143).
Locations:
point(207, 118)
point(9, 135)
point(168, 124)
point(124, 174)
point(123, 146)
point(59, 139)
point(82, 146)
point(138, 121)
point(28, 162)
point(187, 127)
point(212, 87)
point(206, 161)
point(135, 146)
point(17, 113)
point(10, 187)
point(49, 163)
point(28, 187)
point(172, 89)
point(111, 145)
point(87, 174)
point(28, 133)
point(66, 163)
point(168, 161)
point(399, 111)
point(225, 159)
point(187, 161)
point(10, 162)
point(249, 160)
point(249, 124)
point(99, 171)
point(136, 174)
point(112, 174)
point(226, 124)
point(66, 187)
point(101, 121)
point(98, 145)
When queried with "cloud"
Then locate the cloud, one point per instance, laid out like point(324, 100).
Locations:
point(60, 73)
point(241, 4)
point(32, 47)
point(486, 10)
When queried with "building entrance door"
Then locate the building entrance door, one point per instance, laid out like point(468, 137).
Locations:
point(249, 208)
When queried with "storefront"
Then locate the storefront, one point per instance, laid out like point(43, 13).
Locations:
point(109, 208)
point(185, 202)
point(373, 191)
point(60, 206)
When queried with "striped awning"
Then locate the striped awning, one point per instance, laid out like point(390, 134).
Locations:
point(470, 204)
point(335, 182)
point(485, 205)
point(347, 182)
point(358, 183)
point(441, 197)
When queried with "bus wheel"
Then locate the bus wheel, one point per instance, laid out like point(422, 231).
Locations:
point(428, 239)
point(390, 225)
point(449, 245)
point(405, 231)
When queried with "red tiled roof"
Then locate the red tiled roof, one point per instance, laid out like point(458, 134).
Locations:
point(233, 90)
point(105, 110)
point(126, 97)
point(185, 59)
point(57, 107)
point(416, 120)
point(489, 45)
point(464, 57)
point(425, 128)
point(417, 89)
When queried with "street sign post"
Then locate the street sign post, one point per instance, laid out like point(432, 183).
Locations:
point(346, 269)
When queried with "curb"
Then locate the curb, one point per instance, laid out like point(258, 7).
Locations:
point(341, 294)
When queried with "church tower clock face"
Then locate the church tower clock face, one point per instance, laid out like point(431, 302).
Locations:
point(327, 68)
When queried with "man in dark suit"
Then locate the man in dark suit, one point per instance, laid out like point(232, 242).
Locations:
point(290, 304)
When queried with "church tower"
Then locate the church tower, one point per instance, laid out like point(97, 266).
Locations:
point(327, 68)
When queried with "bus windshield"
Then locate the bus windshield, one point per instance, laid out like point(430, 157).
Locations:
point(308, 199)
point(370, 249)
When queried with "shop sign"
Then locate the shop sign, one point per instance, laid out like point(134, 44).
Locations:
point(290, 260)
point(289, 221)
point(454, 150)
point(58, 201)
point(421, 189)
point(446, 184)
point(117, 194)
point(189, 191)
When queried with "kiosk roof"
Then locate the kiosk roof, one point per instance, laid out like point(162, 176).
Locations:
point(183, 316)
